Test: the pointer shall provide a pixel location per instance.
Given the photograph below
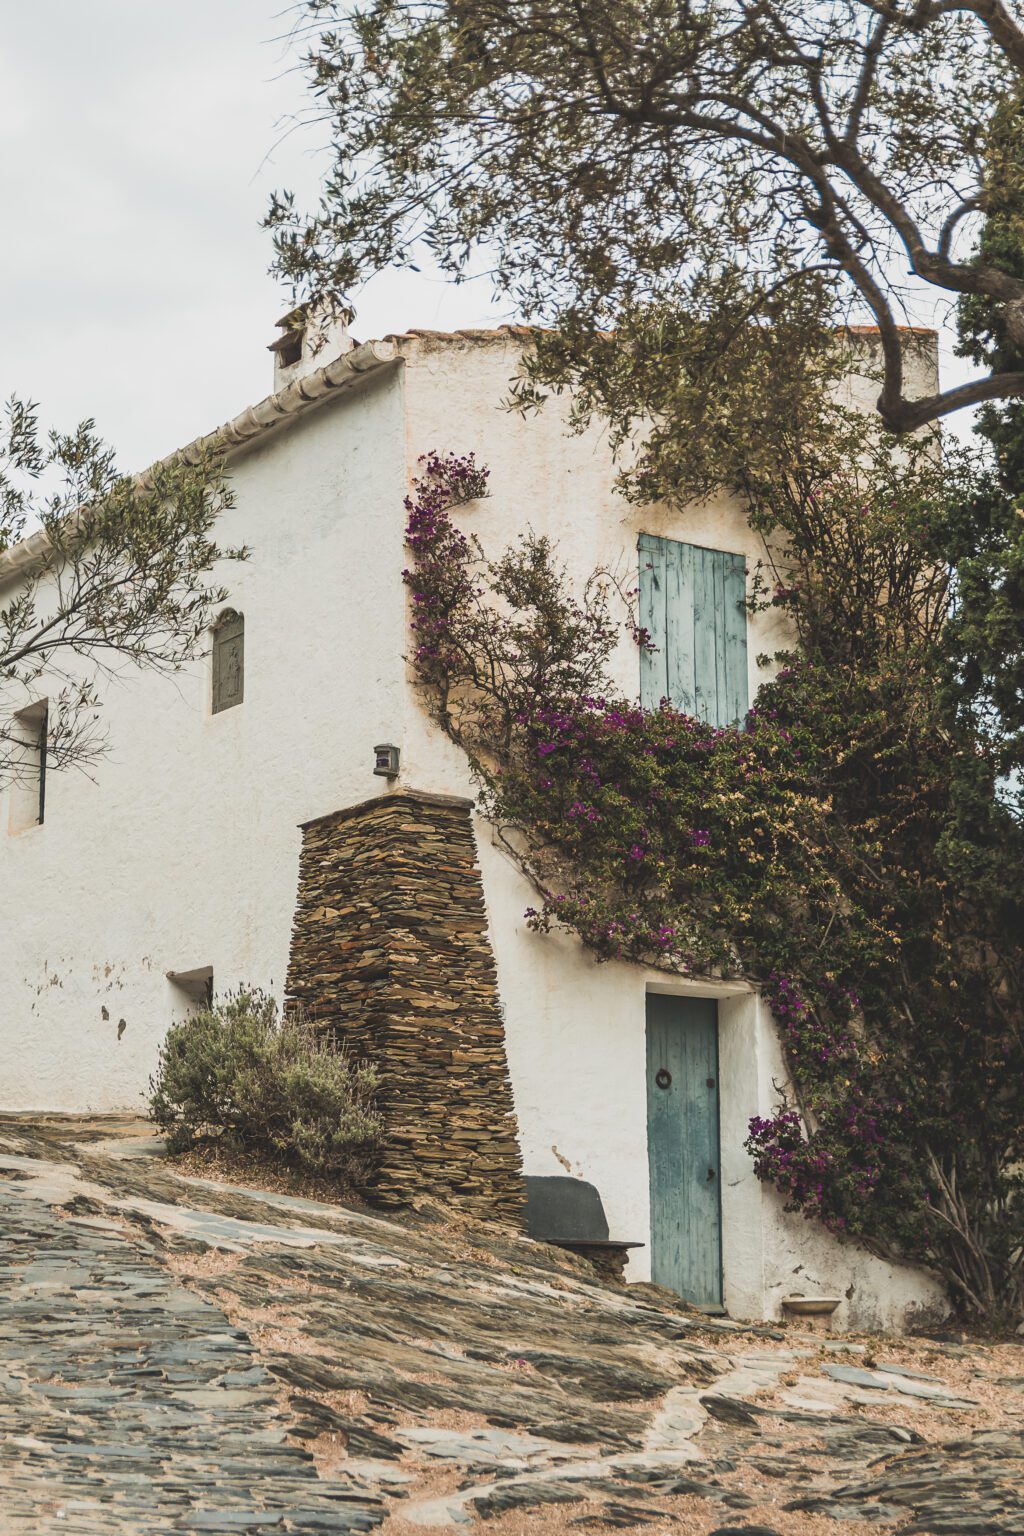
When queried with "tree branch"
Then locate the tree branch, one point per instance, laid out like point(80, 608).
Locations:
point(907, 415)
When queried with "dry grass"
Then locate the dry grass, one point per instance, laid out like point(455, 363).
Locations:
point(460, 1420)
point(329, 1452)
point(225, 1165)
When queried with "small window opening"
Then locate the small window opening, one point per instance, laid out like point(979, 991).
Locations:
point(290, 350)
point(28, 768)
point(192, 990)
point(287, 348)
point(228, 662)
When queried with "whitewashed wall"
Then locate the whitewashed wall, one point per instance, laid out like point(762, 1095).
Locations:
point(184, 850)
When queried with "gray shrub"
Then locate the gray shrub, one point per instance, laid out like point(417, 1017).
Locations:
point(239, 1073)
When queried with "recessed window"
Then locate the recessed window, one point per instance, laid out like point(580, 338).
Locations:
point(290, 349)
point(288, 346)
point(228, 662)
point(192, 990)
point(28, 768)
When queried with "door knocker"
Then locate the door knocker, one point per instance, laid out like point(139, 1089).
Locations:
point(663, 1077)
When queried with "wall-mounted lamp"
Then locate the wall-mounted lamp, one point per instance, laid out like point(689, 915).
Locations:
point(385, 760)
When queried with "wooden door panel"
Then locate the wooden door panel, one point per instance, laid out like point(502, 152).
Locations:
point(683, 1146)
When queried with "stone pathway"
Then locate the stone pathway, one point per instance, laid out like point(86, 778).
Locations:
point(128, 1403)
point(181, 1355)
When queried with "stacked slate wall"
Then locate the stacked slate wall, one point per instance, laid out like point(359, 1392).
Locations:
point(390, 952)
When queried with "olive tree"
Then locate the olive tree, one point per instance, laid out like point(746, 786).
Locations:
point(117, 573)
point(677, 169)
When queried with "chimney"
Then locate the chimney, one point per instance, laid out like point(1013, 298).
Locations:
point(307, 342)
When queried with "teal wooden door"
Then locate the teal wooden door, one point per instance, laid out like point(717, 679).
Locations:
point(693, 606)
point(683, 1147)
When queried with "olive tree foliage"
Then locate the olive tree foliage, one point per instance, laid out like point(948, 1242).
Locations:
point(119, 576)
point(676, 169)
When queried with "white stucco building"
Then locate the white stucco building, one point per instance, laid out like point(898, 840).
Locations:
point(177, 860)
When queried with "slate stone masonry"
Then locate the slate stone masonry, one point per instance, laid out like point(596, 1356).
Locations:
point(390, 952)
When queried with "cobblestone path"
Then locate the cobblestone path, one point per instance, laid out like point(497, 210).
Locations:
point(128, 1403)
point(179, 1355)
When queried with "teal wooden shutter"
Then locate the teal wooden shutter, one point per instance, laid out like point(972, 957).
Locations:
point(693, 605)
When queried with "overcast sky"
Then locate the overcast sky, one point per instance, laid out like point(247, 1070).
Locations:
point(139, 144)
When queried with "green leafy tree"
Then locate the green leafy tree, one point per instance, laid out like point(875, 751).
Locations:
point(676, 171)
point(984, 539)
point(116, 573)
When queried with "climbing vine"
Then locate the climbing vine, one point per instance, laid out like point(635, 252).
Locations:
point(845, 848)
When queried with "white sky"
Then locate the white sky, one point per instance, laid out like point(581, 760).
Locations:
point(139, 144)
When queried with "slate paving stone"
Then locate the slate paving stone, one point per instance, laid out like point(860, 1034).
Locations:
point(972, 1485)
point(744, 1530)
point(852, 1375)
point(890, 1369)
point(532, 1493)
point(96, 1437)
point(130, 1401)
point(619, 1516)
point(730, 1410)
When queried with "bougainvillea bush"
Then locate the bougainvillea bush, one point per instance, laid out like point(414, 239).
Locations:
point(845, 848)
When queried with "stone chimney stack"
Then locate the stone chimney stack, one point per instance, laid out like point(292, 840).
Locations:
point(920, 345)
point(308, 341)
